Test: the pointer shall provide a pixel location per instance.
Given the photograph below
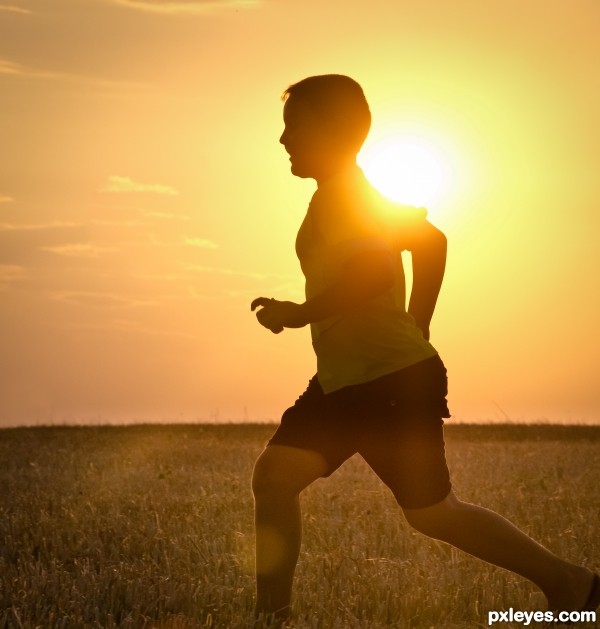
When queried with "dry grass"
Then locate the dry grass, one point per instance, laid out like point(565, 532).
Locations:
point(151, 526)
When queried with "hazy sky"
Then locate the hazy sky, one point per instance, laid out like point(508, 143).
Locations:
point(145, 200)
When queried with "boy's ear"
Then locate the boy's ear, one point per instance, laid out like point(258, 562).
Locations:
point(340, 139)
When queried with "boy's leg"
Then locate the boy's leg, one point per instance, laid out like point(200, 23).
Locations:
point(488, 536)
point(280, 474)
point(411, 461)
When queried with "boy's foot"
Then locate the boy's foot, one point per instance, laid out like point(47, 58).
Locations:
point(277, 620)
point(590, 603)
point(593, 600)
point(574, 591)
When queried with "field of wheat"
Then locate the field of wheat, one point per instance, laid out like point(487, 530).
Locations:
point(151, 526)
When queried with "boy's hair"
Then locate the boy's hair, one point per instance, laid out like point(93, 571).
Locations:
point(338, 101)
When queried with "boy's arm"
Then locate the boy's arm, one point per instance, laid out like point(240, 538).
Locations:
point(366, 275)
point(428, 250)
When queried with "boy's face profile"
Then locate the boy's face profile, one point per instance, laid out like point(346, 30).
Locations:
point(310, 142)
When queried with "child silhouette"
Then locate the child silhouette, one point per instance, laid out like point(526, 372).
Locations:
point(380, 388)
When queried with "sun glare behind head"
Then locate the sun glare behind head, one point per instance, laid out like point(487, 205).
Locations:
point(407, 169)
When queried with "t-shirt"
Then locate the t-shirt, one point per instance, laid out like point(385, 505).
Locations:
point(346, 216)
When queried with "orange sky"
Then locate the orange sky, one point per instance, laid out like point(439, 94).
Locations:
point(145, 201)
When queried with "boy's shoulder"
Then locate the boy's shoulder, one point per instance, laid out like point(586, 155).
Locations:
point(394, 214)
point(351, 199)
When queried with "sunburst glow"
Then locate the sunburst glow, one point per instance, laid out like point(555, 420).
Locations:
point(408, 169)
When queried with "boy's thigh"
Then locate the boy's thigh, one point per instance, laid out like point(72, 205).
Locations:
point(286, 469)
point(409, 456)
point(317, 425)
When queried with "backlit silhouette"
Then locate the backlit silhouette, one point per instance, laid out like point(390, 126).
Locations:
point(380, 388)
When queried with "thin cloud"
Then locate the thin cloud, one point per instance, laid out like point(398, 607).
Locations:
point(195, 295)
point(271, 283)
point(223, 271)
point(11, 273)
point(290, 290)
point(11, 9)
point(102, 300)
point(185, 7)
point(5, 199)
point(197, 268)
point(125, 326)
point(79, 250)
point(38, 226)
point(18, 70)
point(116, 184)
point(103, 222)
point(10, 67)
point(167, 216)
point(190, 241)
point(201, 243)
point(159, 277)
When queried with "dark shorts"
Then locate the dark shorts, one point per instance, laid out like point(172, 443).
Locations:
point(395, 423)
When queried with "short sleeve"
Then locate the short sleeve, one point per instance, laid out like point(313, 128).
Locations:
point(348, 225)
point(405, 223)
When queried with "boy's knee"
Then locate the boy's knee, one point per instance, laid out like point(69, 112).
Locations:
point(262, 481)
point(433, 521)
point(268, 479)
point(284, 472)
point(425, 525)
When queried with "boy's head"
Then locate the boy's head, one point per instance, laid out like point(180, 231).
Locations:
point(327, 119)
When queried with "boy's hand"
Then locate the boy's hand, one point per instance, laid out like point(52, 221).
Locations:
point(276, 315)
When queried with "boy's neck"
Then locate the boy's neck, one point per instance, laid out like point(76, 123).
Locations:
point(340, 166)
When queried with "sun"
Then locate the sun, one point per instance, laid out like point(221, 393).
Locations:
point(407, 168)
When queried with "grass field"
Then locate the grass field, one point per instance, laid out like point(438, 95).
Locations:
point(151, 526)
